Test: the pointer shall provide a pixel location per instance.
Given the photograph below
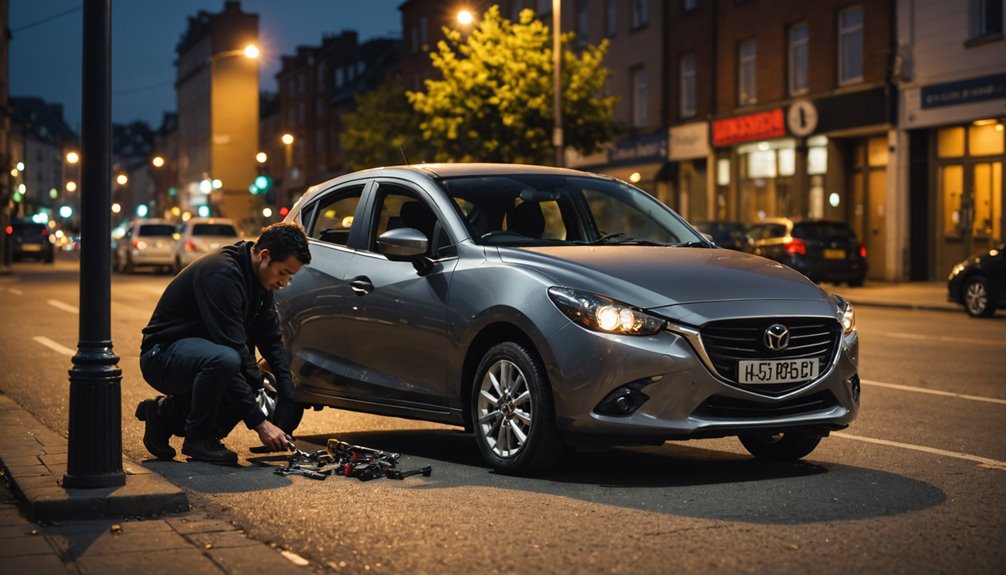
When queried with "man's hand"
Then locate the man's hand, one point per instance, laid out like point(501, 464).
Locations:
point(271, 436)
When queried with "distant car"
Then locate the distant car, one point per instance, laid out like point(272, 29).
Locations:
point(726, 234)
point(146, 242)
point(200, 236)
point(979, 282)
point(822, 250)
point(30, 240)
point(541, 306)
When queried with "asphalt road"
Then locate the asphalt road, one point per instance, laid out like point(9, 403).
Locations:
point(913, 486)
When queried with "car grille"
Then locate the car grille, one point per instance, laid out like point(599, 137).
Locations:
point(720, 407)
point(729, 341)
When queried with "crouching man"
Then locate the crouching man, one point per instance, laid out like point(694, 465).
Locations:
point(198, 347)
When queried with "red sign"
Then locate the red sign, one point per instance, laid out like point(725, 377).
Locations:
point(757, 126)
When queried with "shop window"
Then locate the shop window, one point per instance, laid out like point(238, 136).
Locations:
point(986, 18)
point(950, 142)
point(988, 190)
point(688, 85)
point(817, 160)
point(952, 183)
point(877, 152)
point(747, 55)
point(850, 46)
point(798, 58)
point(985, 137)
point(761, 164)
point(787, 162)
point(857, 155)
point(723, 172)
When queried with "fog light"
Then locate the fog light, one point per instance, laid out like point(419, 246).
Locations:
point(623, 401)
point(854, 387)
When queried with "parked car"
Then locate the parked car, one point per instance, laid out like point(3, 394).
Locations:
point(545, 307)
point(725, 234)
point(200, 236)
point(979, 282)
point(146, 243)
point(30, 240)
point(822, 250)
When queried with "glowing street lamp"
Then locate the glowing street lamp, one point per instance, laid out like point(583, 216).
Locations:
point(158, 161)
point(286, 138)
point(261, 157)
point(122, 179)
point(72, 157)
point(465, 17)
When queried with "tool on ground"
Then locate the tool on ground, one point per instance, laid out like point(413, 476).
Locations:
point(348, 460)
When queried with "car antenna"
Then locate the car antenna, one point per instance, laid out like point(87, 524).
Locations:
point(402, 150)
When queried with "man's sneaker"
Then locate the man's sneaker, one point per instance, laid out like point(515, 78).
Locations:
point(210, 450)
point(156, 432)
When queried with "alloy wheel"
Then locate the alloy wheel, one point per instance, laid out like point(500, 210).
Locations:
point(505, 408)
point(976, 297)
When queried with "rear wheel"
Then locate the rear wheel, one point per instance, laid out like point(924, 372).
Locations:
point(976, 297)
point(788, 446)
point(513, 411)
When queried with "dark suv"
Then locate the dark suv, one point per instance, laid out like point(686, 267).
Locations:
point(30, 240)
point(822, 250)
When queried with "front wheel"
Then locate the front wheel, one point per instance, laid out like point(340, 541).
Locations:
point(513, 411)
point(788, 446)
point(976, 298)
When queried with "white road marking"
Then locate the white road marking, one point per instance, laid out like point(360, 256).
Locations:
point(982, 461)
point(973, 340)
point(60, 305)
point(933, 391)
point(15, 291)
point(54, 346)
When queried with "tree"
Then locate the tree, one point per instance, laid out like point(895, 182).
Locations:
point(494, 103)
point(383, 130)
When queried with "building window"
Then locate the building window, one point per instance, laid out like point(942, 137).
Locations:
point(582, 28)
point(424, 31)
point(850, 45)
point(798, 54)
point(640, 13)
point(414, 38)
point(689, 5)
point(339, 78)
point(747, 57)
point(639, 98)
point(986, 18)
point(610, 17)
point(688, 85)
point(544, 7)
point(301, 83)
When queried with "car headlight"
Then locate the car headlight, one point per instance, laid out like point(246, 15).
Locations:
point(847, 314)
point(599, 313)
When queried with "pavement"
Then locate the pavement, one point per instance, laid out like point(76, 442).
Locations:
point(146, 525)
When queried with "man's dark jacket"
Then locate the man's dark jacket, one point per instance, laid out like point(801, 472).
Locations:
point(219, 298)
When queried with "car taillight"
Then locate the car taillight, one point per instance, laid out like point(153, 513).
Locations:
point(45, 231)
point(136, 244)
point(862, 251)
point(795, 246)
point(9, 230)
point(189, 246)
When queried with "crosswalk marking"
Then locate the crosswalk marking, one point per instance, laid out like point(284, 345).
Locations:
point(60, 305)
point(54, 346)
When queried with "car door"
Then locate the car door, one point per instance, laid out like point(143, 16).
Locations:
point(314, 307)
point(396, 328)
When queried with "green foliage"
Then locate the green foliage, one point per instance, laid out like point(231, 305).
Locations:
point(494, 103)
point(383, 125)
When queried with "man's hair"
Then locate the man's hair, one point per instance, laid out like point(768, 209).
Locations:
point(283, 240)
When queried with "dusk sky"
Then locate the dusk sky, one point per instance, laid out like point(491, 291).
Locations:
point(45, 47)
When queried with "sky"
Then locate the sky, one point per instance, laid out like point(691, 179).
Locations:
point(47, 36)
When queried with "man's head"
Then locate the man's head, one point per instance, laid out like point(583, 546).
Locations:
point(280, 251)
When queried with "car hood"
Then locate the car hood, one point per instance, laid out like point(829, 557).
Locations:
point(652, 277)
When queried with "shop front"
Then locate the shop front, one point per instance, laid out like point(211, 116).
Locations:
point(688, 152)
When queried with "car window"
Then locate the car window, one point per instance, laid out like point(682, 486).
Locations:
point(333, 215)
point(220, 230)
point(815, 230)
point(399, 207)
point(159, 230)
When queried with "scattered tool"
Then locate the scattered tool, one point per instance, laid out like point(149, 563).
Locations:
point(348, 460)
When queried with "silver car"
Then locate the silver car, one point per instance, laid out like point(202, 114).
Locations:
point(146, 242)
point(543, 307)
point(200, 236)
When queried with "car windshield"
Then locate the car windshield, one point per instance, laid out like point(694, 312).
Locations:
point(220, 230)
point(160, 230)
point(534, 210)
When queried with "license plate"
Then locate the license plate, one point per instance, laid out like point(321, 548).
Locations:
point(830, 254)
point(776, 370)
point(31, 248)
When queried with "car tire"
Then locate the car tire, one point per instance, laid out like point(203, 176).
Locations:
point(858, 282)
point(976, 299)
point(788, 446)
point(513, 412)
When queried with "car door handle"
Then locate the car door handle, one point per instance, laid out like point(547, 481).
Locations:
point(361, 285)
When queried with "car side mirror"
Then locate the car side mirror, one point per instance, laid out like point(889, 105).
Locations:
point(406, 245)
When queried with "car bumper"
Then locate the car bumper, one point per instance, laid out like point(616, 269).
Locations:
point(684, 398)
point(150, 258)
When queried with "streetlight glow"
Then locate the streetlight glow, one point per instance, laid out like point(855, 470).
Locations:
point(71, 186)
point(121, 179)
point(158, 161)
point(251, 51)
point(261, 157)
point(20, 166)
point(72, 157)
point(286, 138)
point(465, 17)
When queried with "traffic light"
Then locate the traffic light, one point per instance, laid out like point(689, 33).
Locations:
point(262, 184)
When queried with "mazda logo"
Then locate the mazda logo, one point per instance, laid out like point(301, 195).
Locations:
point(777, 337)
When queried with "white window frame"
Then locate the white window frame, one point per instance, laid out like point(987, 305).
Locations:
point(747, 73)
point(640, 98)
point(686, 70)
point(850, 37)
point(799, 59)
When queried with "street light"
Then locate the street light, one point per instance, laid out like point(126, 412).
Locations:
point(72, 157)
point(158, 161)
point(465, 17)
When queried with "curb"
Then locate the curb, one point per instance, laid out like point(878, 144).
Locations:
point(34, 458)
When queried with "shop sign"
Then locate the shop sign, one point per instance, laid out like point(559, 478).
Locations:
point(757, 126)
point(689, 141)
point(964, 91)
point(644, 149)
